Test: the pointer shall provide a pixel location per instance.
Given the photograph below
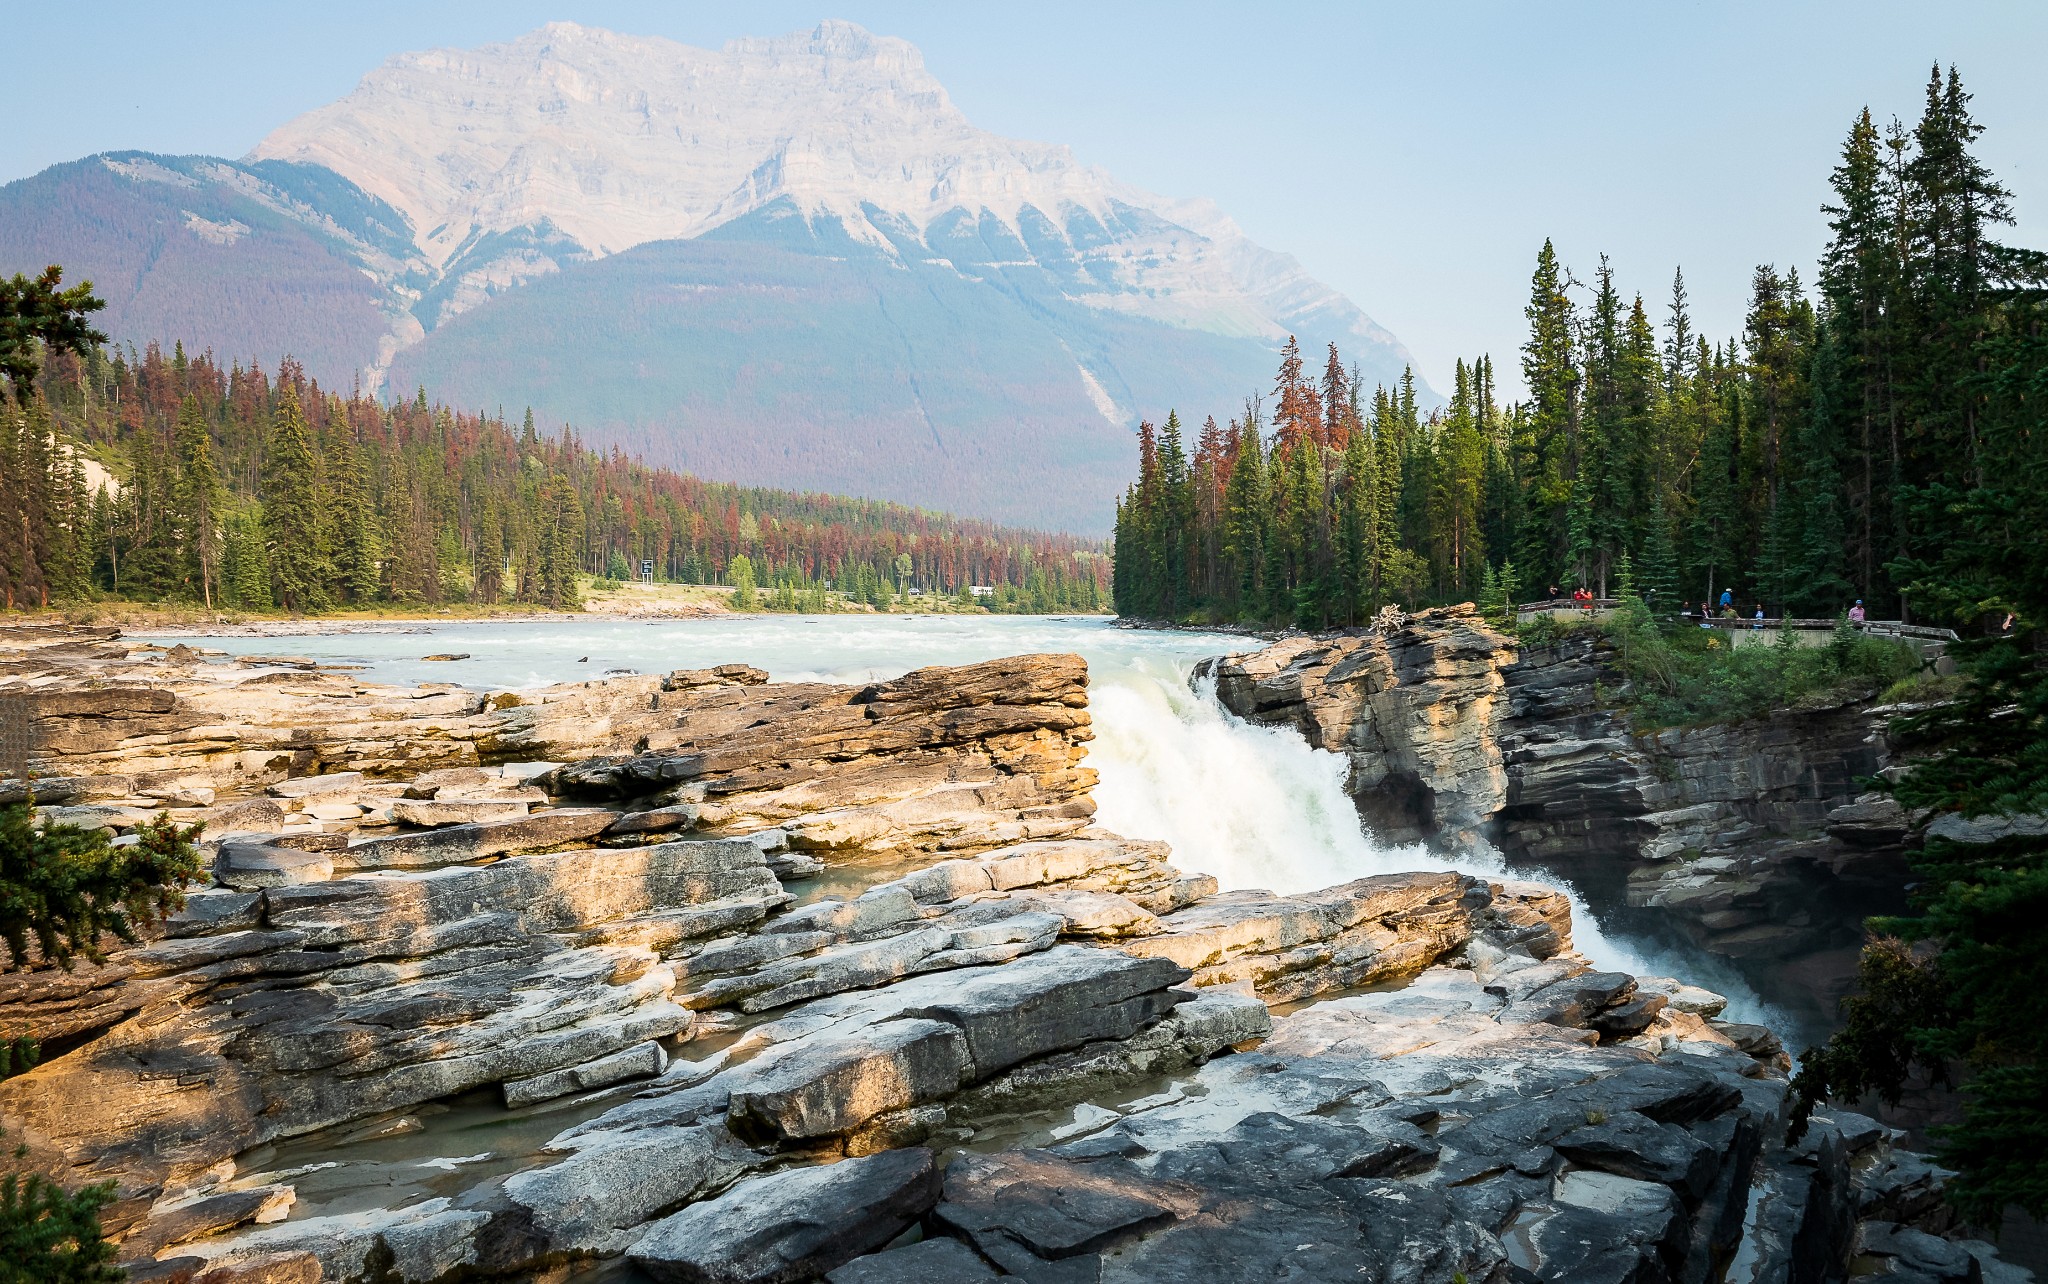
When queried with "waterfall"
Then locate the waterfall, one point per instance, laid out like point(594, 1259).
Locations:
point(1258, 807)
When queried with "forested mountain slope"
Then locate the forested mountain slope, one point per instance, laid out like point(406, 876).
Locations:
point(239, 489)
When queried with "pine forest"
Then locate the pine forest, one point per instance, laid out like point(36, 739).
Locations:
point(239, 490)
point(1811, 461)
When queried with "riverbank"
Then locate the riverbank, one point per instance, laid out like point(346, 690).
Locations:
point(775, 956)
point(651, 602)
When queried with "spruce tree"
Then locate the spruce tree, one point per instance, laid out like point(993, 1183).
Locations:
point(1547, 456)
point(199, 495)
point(560, 544)
point(1660, 564)
point(300, 570)
point(489, 558)
point(1247, 516)
point(358, 550)
point(1859, 279)
point(1815, 585)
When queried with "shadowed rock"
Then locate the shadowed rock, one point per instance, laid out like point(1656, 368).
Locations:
point(793, 1225)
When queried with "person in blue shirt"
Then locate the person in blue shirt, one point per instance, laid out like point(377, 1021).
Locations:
point(1727, 599)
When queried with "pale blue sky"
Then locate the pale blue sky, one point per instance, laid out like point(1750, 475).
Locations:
point(1414, 156)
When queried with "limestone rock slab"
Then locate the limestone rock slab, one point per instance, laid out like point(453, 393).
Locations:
point(793, 1225)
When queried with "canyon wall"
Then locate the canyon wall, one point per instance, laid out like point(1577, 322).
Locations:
point(1760, 838)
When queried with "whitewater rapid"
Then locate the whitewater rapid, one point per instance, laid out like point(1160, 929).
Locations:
point(1256, 807)
point(1259, 808)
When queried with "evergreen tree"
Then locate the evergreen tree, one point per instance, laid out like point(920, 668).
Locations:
point(1815, 585)
point(1858, 280)
point(1660, 564)
point(560, 544)
point(358, 546)
point(1247, 509)
point(292, 511)
point(199, 495)
point(489, 558)
point(1547, 455)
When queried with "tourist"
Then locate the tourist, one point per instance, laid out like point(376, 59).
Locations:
point(1728, 601)
point(1758, 626)
point(1856, 612)
point(1706, 616)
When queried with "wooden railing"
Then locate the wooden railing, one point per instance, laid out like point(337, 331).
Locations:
point(1876, 628)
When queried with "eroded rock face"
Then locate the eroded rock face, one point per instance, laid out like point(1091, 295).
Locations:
point(1758, 837)
point(356, 996)
point(1413, 710)
point(962, 758)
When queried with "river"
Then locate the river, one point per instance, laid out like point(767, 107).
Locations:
point(1253, 806)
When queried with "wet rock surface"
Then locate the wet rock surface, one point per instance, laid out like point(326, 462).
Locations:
point(1012, 1052)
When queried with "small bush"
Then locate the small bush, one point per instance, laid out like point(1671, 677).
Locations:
point(62, 887)
point(1924, 688)
point(1689, 676)
point(49, 1237)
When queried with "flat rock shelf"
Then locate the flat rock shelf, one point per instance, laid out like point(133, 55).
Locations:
point(708, 978)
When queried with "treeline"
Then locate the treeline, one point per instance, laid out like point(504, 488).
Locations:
point(235, 488)
point(1805, 464)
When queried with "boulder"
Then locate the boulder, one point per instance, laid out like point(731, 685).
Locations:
point(1024, 1208)
point(211, 910)
point(1631, 1145)
point(331, 810)
point(429, 783)
point(248, 867)
point(929, 1261)
point(831, 1084)
point(457, 844)
point(659, 820)
point(794, 1225)
point(211, 1214)
point(436, 812)
point(642, 1061)
point(1048, 1002)
point(719, 675)
point(255, 814)
point(337, 782)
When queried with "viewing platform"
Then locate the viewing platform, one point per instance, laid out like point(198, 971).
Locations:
point(1931, 643)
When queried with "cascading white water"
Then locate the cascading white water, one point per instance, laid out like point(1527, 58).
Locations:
point(1259, 807)
point(1254, 806)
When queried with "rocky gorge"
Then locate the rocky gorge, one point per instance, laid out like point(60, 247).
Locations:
point(1759, 841)
point(739, 980)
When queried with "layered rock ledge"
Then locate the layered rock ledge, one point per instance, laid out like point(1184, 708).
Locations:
point(745, 981)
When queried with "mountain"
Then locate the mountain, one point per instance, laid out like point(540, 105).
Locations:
point(789, 261)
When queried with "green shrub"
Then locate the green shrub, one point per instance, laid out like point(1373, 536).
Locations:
point(50, 1237)
point(1690, 677)
point(63, 887)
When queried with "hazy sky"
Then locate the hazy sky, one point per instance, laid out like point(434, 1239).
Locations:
point(1413, 155)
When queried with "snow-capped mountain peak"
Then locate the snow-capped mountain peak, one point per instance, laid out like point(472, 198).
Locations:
point(617, 140)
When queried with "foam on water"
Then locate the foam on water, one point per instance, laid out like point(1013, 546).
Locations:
point(1254, 806)
point(1258, 807)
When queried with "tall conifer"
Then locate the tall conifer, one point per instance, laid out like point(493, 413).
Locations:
point(293, 510)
